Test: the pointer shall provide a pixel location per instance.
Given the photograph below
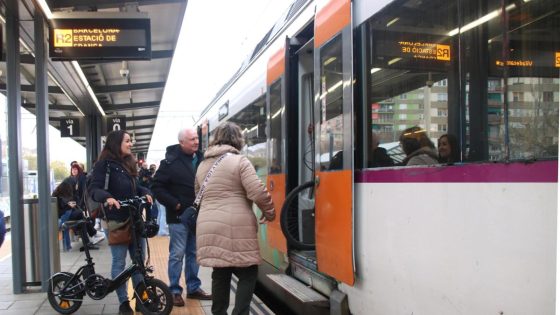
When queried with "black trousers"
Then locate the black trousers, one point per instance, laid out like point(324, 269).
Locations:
point(221, 282)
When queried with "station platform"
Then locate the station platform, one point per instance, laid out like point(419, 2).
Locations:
point(36, 303)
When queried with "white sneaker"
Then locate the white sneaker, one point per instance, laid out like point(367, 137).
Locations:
point(97, 238)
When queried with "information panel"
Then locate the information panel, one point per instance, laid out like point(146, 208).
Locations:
point(98, 38)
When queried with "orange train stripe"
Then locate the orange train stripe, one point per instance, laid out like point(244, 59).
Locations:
point(275, 237)
point(333, 221)
point(275, 67)
point(330, 20)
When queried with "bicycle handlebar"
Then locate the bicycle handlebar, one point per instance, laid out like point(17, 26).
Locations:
point(133, 202)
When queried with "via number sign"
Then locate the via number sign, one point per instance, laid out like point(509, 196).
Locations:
point(69, 127)
point(116, 123)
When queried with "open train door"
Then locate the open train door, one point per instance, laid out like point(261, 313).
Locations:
point(334, 140)
point(276, 179)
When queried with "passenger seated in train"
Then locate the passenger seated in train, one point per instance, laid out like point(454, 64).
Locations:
point(419, 149)
point(378, 156)
point(448, 149)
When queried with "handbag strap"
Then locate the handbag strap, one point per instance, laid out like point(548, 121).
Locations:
point(210, 172)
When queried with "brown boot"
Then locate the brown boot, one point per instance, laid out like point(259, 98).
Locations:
point(178, 300)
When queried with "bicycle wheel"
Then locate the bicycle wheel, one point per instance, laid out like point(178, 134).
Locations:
point(68, 301)
point(301, 198)
point(153, 297)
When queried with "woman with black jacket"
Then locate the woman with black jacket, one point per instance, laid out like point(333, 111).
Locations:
point(117, 160)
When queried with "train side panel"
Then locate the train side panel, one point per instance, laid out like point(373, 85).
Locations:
point(455, 247)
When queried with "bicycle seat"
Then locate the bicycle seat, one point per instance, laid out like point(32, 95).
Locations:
point(73, 223)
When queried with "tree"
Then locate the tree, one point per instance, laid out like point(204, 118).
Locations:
point(60, 170)
point(31, 160)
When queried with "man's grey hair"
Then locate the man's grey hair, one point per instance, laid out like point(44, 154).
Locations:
point(183, 132)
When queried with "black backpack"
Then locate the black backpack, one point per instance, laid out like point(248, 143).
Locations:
point(94, 208)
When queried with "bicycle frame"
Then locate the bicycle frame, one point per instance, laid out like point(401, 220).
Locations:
point(87, 270)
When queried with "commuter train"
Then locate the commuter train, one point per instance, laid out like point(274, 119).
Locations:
point(472, 236)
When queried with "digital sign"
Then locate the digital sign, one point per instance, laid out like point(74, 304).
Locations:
point(540, 59)
point(401, 50)
point(423, 50)
point(100, 38)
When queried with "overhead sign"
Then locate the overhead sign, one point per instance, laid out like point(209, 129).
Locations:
point(100, 38)
point(69, 127)
point(403, 50)
point(116, 123)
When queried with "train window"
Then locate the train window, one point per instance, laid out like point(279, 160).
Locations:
point(252, 121)
point(332, 129)
point(276, 139)
point(495, 99)
point(530, 86)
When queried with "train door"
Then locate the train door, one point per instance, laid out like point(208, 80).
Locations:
point(334, 140)
point(276, 179)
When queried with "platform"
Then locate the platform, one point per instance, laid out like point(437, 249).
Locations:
point(35, 302)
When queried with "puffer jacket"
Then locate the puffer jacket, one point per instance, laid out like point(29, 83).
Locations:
point(422, 156)
point(226, 229)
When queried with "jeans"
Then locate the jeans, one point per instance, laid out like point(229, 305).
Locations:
point(221, 282)
point(163, 230)
point(118, 263)
point(182, 244)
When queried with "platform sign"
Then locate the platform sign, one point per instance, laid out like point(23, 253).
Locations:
point(69, 127)
point(116, 123)
point(100, 38)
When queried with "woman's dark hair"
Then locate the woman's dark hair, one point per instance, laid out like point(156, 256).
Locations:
point(230, 134)
point(413, 139)
point(78, 167)
point(64, 189)
point(455, 150)
point(112, 151)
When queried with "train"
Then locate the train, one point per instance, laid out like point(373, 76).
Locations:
point(333, 79)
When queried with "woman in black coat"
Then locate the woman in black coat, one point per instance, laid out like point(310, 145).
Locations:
point(116, 158)
point(67, 208)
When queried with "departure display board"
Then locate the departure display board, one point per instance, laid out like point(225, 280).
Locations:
point(540, 59)
point(100, 38)
point(402, 50)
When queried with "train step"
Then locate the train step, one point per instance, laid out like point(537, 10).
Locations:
point(299, 290)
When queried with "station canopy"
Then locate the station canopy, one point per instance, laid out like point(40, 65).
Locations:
point(131, 88)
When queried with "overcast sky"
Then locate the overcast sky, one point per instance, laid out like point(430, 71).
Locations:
point(216, 37)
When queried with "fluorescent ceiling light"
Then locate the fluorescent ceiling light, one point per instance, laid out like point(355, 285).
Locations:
point(331, 59)
point(276, 114)
point(332, 88)
point(393, 21)
point(374, 70)
point(45, 7)
point(392, 61)
point(481, 20)
point(88, 87)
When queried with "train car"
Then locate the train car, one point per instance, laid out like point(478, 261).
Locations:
point(334, 81)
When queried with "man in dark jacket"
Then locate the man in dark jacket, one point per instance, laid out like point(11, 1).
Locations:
point(173, 186)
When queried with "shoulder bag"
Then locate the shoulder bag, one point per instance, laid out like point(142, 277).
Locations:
point(190, 214)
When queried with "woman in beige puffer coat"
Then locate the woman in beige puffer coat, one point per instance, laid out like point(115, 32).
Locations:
point(226, 229)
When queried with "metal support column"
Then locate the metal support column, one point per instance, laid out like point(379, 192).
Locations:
point(93, 138)
point(43, 165)
point(13, 92)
